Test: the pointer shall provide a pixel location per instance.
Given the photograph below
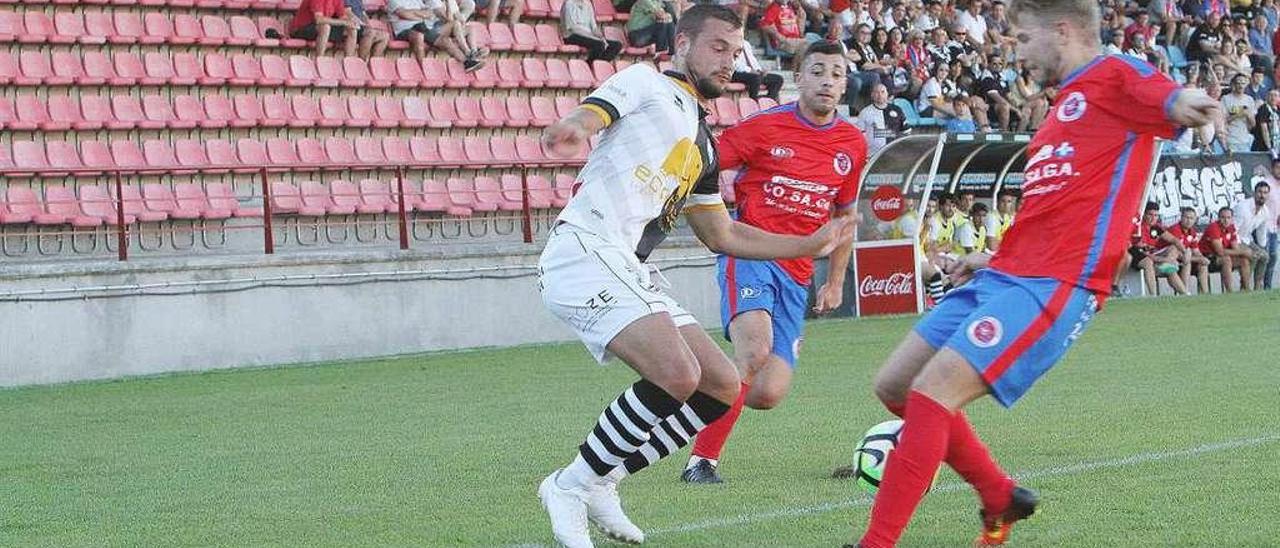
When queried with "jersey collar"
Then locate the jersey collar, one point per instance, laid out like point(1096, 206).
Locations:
point(683, 81)
point(1081, 70)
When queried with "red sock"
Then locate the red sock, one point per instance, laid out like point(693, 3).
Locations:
point(969, 457)
point(921, 447)
point(711, 440)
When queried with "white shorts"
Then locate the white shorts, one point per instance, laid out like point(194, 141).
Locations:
point(599, 288)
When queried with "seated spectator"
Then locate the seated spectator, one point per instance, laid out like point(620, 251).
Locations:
point(993, 89)
point(1258, 85)
point(748, 72)
point(494, 8)
point(1000, 221)
point(936, 94)
point(1188, 243)
point(931, 17)
point(423, 22)
point(881, 121)
point(578, 26)
point(1141, 27)
point(783, 26)
point(972, 233)
point(1206, 40)
point(1260, 39)
point(968, 16)
point(459, 13)
point(962, 122)
point(865, 70)
point(1114, 45)
point(326, 21)
point(651, 23)
point(1240, 111)
point(372, 42)
point(1253, 225)
point(1221, 245)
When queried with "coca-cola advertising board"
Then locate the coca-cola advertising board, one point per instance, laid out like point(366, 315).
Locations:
point(885, 277)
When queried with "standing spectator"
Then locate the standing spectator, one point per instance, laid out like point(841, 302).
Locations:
point(422, 23)
point(578, 26)
point(881, 121)
point(1273, 239)
point(1266, 126)
point(1188, 242)
point(1206, 40)
point(993, 89)
point(748, 72)
point(326, 21)
point(372, 42)
point(494, 8)
point(651, 23)
point(1253, 224)
point(783, 26)
point(1240, 111)
point(1221, 245)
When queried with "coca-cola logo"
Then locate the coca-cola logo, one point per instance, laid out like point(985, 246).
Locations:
point(898, 283)
point(887, 204)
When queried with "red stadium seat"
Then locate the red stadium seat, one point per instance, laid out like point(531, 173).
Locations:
point(245, 32)
point(311, 151)
point(280, 152)
point(127, 154)
point(747, 106)
point(190, 197)
point(223, 197)
point(435, 197)
point(96, 154)
point(316, 196)
point(35, 66)
point(540, 9)
point(424, 149)
point(190, 154)
point(528, 148)
point(219, 109)
point(65, 28)
point(504, 152)
point(304, 71)
point(525, 37)
point(156, 109)
point(580, 74)
point(369, 151)
point(249, 108)
point(493, 111)
point(469, 112)
point(9, 117)
point(378, 197)
point(497, 36)
point(410, 74)
point(63, 154)
point(443, 113)
point(436, 74)
point(129, 24)
point(346, 198)
point(330, 69)
point(564, 188)
point(127, 109)
point(476, 151)
point(397, 150)
point(252, 153)
point(540, 192)
point(216, 32)
point(513, 194)
point(158, 70)
point(384, 69)
point(189, 109)
point(616, 33)
point(357, 70)
point(223, 153)
point(340, 151)
point(275, 71)
point(62, 201)
point(485, 77)
point(334, 107)
point(21, 206)
point(542, 111)
point(96, 201)
point(30, 157)
point(188, 67)
point(602, 70)
point(767, 103)
point(11, 73)
point(606, 12)
point(32, 114)
point(462, 193)
point(218, 67)
point(158, 197)
point(97, 109)
point(248, 72)
point(515, 111)
point(550, 41)
point(98, 24)
point(535, 73)
point(559, 75)
point(362, 108)
point(417, 112)
point(276, 107)
point(66, 65)
point(306, 110)
point(271, 23)
point(286, 198)
point(727, 111)
point(129, 66)
point(489, 194)
point(565, 105)
point(11, 26)
point(390, 113)
point(159, 153)
point(64, 109)
point(158, 25)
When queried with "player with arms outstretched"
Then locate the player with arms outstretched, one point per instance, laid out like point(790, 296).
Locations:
point(1085, 177)
point(656, 158)
point(801, 166)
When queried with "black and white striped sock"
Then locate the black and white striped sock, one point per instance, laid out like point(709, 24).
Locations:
point(674, 432)
point(622, 428)
point(936, 288)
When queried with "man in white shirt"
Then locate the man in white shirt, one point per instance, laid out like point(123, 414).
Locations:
point(1253, 222)
point(931, 17)
point(972, 20)
point(1240, 110)
point(425, 22)
point(881, 121)
point(1273, 204)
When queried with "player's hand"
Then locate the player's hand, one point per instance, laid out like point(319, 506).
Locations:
point(829, 298)
point(834, 234)
point(962, 271)
point(564, 139)
point(1194, 108)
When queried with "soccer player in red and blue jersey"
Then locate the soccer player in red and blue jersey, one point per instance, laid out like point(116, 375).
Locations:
point(801, 166)
point(1085, 176)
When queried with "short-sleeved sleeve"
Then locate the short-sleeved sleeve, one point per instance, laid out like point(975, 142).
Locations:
point(1150, 97)
point(622, 94)
point(736, 145)
point(706, 192)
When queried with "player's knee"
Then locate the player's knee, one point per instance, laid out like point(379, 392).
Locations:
point(890, 390)
point(752, 357)
point(680, 379)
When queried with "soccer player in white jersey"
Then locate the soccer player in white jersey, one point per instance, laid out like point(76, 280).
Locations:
point(655, 159)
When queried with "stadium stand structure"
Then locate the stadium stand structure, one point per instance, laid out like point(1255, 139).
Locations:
point(172, 125)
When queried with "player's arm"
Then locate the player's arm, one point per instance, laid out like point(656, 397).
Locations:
point(618, 96)
point(726, 236)
point(1156, 100)
point(1172, 240)
point(831, 294)
point(566, 137)
point(960, 271)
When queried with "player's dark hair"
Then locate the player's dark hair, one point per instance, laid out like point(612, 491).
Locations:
point(979, 208)
point(1009, 192)
point(694, 18)
point(1151, 206)
point(822, 47)
point(1189, 209)
point(1222, 209)
point(1260, 185)
point(946, 197)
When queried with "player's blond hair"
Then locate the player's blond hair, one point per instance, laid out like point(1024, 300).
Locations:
point(1084, 12)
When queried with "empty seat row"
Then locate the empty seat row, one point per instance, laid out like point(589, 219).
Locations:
point(454, 196)
point(126, 27)
point(96, 68)
point(55, 158)
point(98, 205)
point(288, 5)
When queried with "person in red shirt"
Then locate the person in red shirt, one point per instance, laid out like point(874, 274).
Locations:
point(1188, 244)
point(783, 24)
point(1086, 172)
point(1221, 244)
point(326, 21)
point(1151, 251)
point(801, 164)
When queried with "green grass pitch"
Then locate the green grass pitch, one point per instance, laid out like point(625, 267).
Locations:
point(1161, 428)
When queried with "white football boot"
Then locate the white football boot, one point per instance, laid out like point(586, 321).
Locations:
point(568, 511)
point(604, 509)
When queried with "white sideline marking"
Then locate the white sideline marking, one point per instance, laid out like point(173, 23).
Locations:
point(1066, 470)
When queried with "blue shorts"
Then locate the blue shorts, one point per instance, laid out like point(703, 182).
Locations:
point(1011, 329)
point(747, 285)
